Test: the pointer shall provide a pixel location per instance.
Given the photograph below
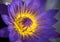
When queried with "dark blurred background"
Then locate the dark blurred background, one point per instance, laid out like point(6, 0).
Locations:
point(51, 4)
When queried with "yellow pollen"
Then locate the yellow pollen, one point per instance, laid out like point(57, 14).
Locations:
point(19, 26)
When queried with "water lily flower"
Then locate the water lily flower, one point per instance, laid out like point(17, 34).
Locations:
point(28, 21)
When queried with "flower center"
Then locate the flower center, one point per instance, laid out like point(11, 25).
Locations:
point(25, 23)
